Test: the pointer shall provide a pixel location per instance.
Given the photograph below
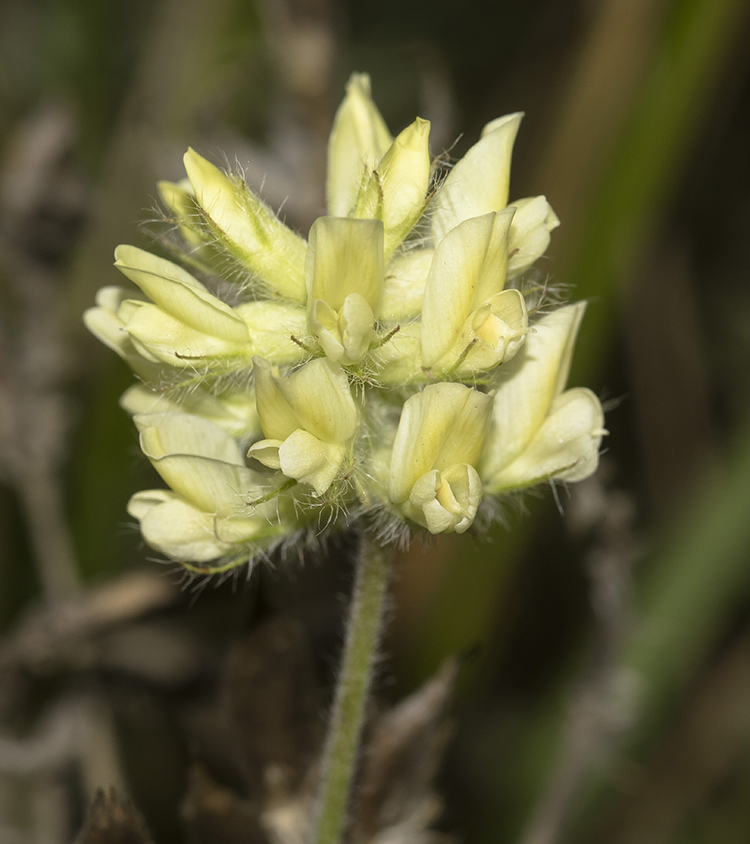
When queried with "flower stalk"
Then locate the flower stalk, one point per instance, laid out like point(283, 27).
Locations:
point(360, 647)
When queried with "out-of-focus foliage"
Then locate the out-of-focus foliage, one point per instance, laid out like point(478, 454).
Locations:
point(604, 688)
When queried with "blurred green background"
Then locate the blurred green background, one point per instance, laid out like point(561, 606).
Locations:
point(605, 694)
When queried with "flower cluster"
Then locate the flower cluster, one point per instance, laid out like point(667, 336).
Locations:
point(394, 365)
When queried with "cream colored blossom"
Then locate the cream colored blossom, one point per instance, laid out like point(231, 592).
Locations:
point(209, 512)
point(538, 431)
point(105, 324)
point(439, 440)
point(183, 322)
point(309, 419)
point(388, 367)
point(344, 270)
point(468, 321)
point(186, 326)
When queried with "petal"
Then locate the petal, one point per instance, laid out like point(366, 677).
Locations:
point(107, 327)
point(266, 452)
point(110, 298)
point(180, 200)
point(184, 433)
point(311, 461)
point(497, 331)
point(179, 294)
point(358, 141)
point(344, 337)
point(356, 323)
point(479, 182)
point(396, 191)
point(211, 485)
point(181, 531)
point(324, 326)
point(566, 446)
point(344, 256)
point(447, 502)
point(234, 413)
point(199, 460)
point(277, 417)
point(405, 177)
point(176, 528)
point(468, 431)
point(319, 395)
point(530, 383)
point(529, 233)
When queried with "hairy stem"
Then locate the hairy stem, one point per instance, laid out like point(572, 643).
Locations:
point(362, 636)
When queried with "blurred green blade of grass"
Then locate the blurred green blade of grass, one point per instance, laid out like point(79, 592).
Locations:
point(657, 140)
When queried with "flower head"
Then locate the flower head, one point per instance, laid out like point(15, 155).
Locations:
point(390, 363)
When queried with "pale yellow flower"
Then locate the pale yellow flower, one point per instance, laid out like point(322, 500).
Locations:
point(389, 366)
point(309, 419)
point(209, 512)
point(440, 439)
point(344, 271)
point(538, 431)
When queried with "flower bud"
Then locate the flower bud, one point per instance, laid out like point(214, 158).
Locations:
point(469, 322)
point(479, 182)
point(358, 141)
point(440, 438)
point(309, 419)
point(248, 229)
point(395, 192)
point(538, 431)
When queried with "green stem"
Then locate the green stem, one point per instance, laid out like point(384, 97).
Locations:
point(362, 636)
